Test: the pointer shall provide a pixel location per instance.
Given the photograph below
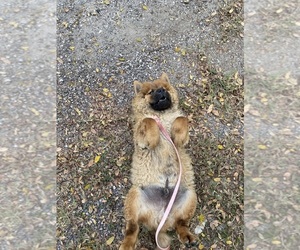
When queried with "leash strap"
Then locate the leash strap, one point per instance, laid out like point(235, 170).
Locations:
point(175, 191)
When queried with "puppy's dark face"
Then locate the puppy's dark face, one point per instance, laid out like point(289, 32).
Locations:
point(160, 99)
point(158, 95)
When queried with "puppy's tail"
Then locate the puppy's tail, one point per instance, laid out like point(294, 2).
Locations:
point(164, 240)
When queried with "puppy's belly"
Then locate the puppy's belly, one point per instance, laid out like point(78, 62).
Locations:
point(154, 200)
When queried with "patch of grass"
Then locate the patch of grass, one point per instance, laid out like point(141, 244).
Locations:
point(219, 175)
point(214, 104)
point(215, 93)
point(219, 181)
point(231, 20)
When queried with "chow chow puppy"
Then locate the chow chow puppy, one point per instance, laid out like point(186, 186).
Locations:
point(155, 167)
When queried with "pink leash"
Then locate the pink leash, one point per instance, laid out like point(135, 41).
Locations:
point(171, 202)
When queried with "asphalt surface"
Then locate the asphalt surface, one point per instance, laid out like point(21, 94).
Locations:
point(139, 41)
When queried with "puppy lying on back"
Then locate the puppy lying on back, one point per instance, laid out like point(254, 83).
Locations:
point(155, 166)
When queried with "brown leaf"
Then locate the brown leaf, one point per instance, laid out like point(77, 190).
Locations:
point(210, 108)
point(252, 246)
point(215, 112)
point(214, 224)
point(246, 108)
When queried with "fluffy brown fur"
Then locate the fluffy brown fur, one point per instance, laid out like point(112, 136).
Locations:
point(155, 166)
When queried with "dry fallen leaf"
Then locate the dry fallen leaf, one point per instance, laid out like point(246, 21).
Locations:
point(262, 147)
point(3, 149)
point(287, 75)
point(110, 240)
point(120, 161)
point(97, 158)
point(215, 112)
point(33, 110)
point(210, 108)
point(201, 246)
point(214, 224)
point(65, 24)
point(15, 24)
point(78, 111)
point(246, 108)
point(177, 49)
point(276, 242)
point(257, 179)
point(252, 246)
point(252, 224)
point(201, 218)
point(254, 112)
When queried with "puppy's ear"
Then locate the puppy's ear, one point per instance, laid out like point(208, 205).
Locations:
point(137, 87)
point(165, 77)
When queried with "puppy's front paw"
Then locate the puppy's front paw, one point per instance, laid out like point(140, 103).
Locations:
point(180, 131)
point(147, 135)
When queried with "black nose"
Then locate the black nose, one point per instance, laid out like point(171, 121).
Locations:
point(161, 99)
point(161, 93)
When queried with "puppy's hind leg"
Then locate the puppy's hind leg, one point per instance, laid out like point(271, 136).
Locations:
point(183, 218)
point(131, 233)
point(131, 216)
point(185, 236)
